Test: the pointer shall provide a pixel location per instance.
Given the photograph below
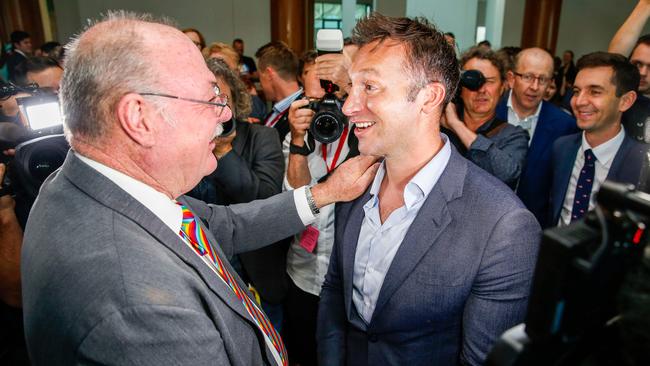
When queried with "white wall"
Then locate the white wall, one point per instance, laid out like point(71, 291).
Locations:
point(588, 25)
point(218, 20)
point(458, 17)
point(513, 23)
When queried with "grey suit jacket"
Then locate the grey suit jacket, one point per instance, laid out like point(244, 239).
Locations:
point(460, 277)
point(105, 281)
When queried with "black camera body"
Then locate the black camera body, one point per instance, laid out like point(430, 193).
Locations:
point(329, 122)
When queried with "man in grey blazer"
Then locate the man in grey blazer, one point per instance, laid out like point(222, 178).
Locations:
point(435, 261)
point(110, 275)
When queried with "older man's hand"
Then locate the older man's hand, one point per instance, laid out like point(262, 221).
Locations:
point(348, 181)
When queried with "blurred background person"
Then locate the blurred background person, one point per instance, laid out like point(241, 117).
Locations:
point(21, 49)
point(247, 68)
point(473, 127)
point(196, 37)
point(231, 57)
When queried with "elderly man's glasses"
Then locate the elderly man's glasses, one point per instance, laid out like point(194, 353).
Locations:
point(219, 100)
point(530, 78)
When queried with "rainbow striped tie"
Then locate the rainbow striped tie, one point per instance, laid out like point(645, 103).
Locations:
point(195, 236)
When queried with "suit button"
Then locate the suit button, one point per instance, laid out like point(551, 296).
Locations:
point(372, 338)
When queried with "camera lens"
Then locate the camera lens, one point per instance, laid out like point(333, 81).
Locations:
point(326, 127)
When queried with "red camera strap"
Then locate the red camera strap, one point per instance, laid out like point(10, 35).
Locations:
point(337, 154)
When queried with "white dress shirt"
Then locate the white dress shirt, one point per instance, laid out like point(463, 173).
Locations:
point(307, 270)
point(378, 243)
point(527, 123)
point(604, 154)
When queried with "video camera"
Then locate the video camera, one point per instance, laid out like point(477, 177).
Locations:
point(579, 274)
point(40, 147)
point(329, 121)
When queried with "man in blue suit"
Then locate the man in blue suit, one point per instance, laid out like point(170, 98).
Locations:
point(523, 106)
point(435, 261)
point(604, 88)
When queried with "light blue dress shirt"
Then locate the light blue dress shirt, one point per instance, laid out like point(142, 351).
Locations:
point(378, 243)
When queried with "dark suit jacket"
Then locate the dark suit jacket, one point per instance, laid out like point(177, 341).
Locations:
point(106, 282)
point(13, 62)
point(535, 179)
point(459, 279)
point(626, 168)
point(282, 126)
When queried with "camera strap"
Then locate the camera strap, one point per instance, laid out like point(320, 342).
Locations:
point(337, 154)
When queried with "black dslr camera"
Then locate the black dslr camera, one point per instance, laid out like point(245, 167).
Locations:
point(329, 121)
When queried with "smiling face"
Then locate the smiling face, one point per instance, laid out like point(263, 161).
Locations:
point(594, 101)
point(482, 103)
point(387, 124)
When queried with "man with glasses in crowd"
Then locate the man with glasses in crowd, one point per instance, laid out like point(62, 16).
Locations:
point(524, 106)
point(116, 267)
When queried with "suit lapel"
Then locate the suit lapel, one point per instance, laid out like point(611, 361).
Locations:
point(562, 176)
point(349, 249)
point(110, 195)
point(431, 220)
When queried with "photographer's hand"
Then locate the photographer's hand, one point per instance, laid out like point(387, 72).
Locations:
point(348, 181)
point(334, 67)
point(11, 239)
point(299, 121)
point(452, 122)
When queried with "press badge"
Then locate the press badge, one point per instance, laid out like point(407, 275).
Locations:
point(309, 238)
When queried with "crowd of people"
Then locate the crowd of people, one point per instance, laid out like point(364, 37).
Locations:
point(192, 224)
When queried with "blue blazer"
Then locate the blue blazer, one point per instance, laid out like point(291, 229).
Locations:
point(535, 179)
point(460, 277)
point(626, 168)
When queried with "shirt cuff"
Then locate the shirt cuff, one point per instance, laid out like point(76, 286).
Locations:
point(302, 206)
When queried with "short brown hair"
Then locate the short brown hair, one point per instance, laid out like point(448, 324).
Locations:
point(484, 54)
point(626, 76)
point(429, 57)
point(307, 58)
point(280, 57)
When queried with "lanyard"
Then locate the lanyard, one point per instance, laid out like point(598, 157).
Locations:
point(337, 154)
point(277, 118)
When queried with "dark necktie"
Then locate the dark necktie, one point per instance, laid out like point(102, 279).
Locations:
point(583, 188)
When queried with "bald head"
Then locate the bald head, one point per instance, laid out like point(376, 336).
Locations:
point(123, 53)
point(533, 71)
point(538, 56)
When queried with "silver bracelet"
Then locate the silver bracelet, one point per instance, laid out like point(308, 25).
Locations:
point(311, 202)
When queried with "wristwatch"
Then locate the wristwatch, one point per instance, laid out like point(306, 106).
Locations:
point(311, 202)
point(303, 150)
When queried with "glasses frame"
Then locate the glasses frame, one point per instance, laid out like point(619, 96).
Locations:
point(539, 79)
point(217, 93)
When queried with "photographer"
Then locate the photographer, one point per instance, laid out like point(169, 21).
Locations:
point(492, 144)
point(309, 253)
